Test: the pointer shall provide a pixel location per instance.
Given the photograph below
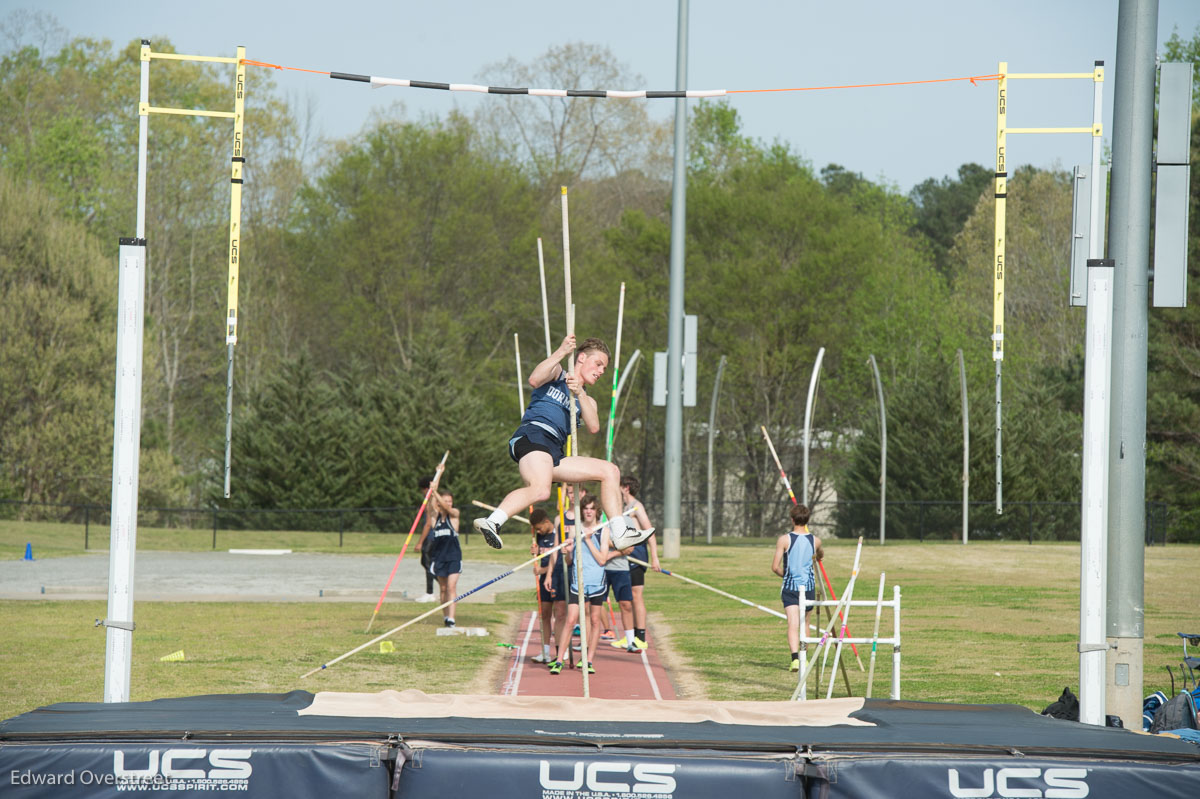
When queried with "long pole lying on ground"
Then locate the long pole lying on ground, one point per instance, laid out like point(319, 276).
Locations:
point(433, 485)
point(678, 576)
point(875, 636)
point(430, 612)
point(841, 603)
point(788, 485)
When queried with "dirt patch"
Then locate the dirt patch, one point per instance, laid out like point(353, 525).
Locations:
point(687, 681)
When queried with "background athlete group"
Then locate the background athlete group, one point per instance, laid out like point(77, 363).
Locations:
point(537, 446)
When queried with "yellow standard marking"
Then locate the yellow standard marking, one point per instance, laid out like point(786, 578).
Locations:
point(1001, 195)
point(235, 201)
point(215, 59)
point(1088, 129)
point(1051, 75)
point(187, 112)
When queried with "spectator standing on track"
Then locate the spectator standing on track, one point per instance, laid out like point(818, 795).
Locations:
point(552, 592)
point(588, 565)
point(794, 556)
point(646, 551)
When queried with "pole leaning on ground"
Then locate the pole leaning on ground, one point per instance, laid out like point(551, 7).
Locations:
point(429, 612)
point(678, 576)
point(788, 485)
point(841, 605)
point(875, 635)
point(566, 234)
point(612, 404)
point(432, 486)
point(545, 306)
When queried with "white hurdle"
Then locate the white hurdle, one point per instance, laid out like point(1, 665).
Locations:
point(874, 641)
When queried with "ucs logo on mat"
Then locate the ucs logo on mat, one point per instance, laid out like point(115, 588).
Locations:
point(223, 769)
point(1054, 783)
point(607, 777)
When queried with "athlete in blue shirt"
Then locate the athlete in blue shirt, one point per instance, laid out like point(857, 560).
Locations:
point(794, 556)
point(537, 445)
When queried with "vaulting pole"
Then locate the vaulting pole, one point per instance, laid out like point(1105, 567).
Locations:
point(612, 405)
point(566, 234)
point(520, 377)
point(545, 305)
point(430, 612)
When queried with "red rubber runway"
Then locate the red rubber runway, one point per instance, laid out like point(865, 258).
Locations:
point(619, 674)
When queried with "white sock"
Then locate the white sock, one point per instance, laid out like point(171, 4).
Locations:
point(618, 524)
point(629, 636)
point(498, 517)
point(546, 651)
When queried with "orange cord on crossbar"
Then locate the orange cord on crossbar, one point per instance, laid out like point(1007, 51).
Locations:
point(972, 79)
point(251, 63)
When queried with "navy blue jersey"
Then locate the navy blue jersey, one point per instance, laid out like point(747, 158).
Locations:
point(548, 408)
point(444, 540)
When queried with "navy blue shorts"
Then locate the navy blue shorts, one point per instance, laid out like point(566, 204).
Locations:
point(793, 598)
point(445, 568)
point(531, 438)
point(637, 575)
point(591, 599)
point(618, 581)
point(557, 592)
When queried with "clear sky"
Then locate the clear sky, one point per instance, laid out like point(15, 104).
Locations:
point(898, 134)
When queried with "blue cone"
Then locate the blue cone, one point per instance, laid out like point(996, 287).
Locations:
point(28, 550)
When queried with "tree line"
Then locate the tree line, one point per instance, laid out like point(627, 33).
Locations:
point(385, 274)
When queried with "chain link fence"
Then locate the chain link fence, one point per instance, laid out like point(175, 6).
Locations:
point(926, 520)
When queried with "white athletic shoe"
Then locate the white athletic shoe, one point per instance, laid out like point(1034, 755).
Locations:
point(629, 537)
point(540, 658)
point(490, 533)
point(425, 598)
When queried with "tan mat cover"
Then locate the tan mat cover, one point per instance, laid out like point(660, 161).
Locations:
point(411, 704)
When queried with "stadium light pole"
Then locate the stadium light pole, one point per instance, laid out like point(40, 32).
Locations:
point(673, 455)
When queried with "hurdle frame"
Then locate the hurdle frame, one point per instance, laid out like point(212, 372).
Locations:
point(893, 640)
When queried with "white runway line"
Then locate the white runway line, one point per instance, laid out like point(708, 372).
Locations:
point(514, 673)
point(650, 675)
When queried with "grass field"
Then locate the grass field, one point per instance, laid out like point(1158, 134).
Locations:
point(984, 623)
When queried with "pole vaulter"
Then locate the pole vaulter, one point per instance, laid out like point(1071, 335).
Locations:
point(788, 485)
point(437, 475)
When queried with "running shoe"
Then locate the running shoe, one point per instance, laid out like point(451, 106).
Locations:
point(425, 598)
point(622, 644)
point(637, 643)
point(631, 649)
point(795, 666)
point(591, 669)
point(607, 635)
point(540, 658)
point(490, 532)
point(555, 666)
point(448, 622)
point(628, 537)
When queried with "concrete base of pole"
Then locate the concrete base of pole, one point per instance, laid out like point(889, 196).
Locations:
point(1123, 681)
point(670, 542)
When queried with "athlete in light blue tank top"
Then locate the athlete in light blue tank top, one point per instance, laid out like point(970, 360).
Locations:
point(795, 553)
